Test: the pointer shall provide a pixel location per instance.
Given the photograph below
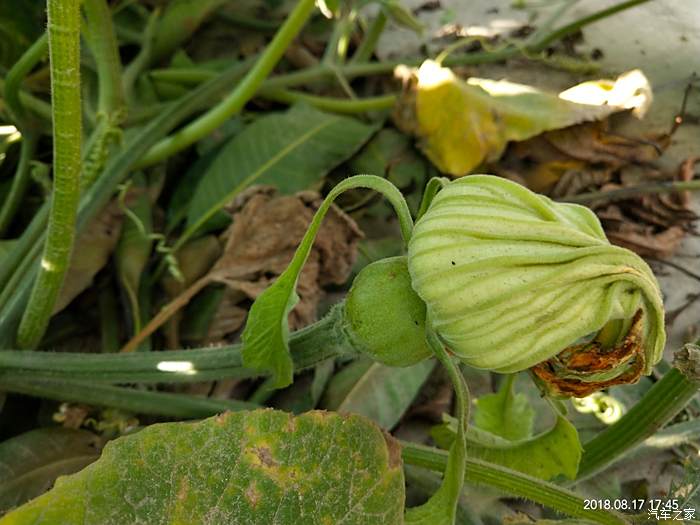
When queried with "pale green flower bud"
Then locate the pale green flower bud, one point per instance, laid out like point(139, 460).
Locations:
point(512, 280)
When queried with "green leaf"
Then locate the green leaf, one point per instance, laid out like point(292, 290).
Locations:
point(552, 453)
point(257, 467)
point(31, 462)
point(290, 150)
point(266, 334)
point(505, 413)
point(381, 393)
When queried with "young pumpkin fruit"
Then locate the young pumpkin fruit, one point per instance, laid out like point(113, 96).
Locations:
point(513, 280)
point(384, 316)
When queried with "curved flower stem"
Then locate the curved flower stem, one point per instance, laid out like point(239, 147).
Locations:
point(656, 408)
point(244, 91)
point(511, 482)
point(64, 43)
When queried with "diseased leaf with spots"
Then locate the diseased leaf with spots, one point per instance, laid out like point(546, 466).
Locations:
point(31, 462)
point(263, 467)
point(290, 150)
point(506, 414)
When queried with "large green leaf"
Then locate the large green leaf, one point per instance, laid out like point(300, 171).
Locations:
point(554, 452)
point(379, 392)
point(262, 467)
point(505, 413)
point(31, 462)
point(290, 150)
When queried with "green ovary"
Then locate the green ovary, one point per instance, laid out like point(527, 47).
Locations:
point(511, 279)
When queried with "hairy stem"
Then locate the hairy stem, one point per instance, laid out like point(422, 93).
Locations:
point(64, 50)
point(244, 91)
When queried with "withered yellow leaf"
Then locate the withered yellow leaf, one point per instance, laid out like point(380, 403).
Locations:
point(462, 124)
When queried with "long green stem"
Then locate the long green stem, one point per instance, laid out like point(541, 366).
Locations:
point(64, 44)
point(243, 92)
point(511, 482)
point(309, 346)
point(658, 406)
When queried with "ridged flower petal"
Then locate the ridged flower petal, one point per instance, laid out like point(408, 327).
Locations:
point(512, 279)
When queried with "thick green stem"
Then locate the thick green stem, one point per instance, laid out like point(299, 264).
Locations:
point(20, 182)
point(244, 91)
point(658, 406)
point(137, 401)
point(64, 44)
point(105, 50)
point(511, 482)
point(316, 343)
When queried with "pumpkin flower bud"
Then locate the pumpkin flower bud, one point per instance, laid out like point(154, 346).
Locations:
point(514, 281)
